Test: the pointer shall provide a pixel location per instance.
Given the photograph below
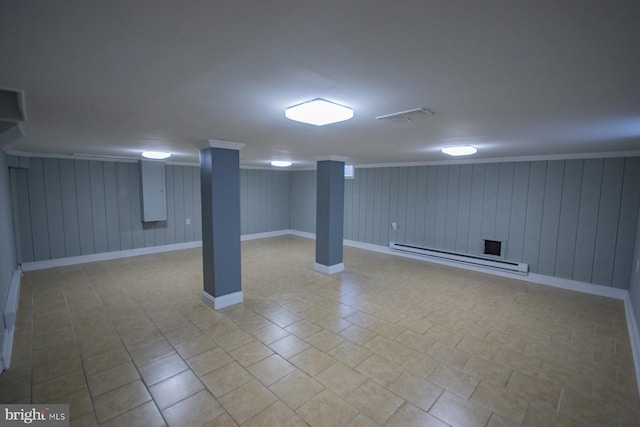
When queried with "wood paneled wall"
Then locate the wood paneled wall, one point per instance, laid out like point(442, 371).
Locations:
point(573, 219)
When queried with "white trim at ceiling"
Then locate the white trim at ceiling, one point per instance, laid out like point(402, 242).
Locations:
point(577, 156)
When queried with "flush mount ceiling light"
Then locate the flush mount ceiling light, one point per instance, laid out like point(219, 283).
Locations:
point(460, 150)
point(281, 163)
point(156, 155)
point(319, 112)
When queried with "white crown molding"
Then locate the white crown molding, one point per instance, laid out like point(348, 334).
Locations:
point(11, 135)
point(577, 156)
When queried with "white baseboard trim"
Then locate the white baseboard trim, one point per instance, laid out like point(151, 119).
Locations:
point(329, 269)
point(634, 335)
point(302, 234)
point(105, 256)
point(9, 317)
point(222, 301)
point(265, 235)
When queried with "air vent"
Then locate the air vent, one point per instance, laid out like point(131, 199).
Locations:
point(11, 106)
point(406, 116)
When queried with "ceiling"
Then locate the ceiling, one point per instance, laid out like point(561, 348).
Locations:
point(514, 78)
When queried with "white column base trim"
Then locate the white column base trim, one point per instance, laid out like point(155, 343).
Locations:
point(222, 301)
point(329, 269)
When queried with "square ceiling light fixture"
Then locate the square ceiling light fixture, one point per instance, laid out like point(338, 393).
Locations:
point(319, 112)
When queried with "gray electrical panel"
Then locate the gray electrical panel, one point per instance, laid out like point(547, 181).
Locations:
point(154, 195)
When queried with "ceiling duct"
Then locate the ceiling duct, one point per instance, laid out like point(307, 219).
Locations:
point(12, 106)
point(406, 116)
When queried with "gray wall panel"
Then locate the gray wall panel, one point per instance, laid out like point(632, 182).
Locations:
point(550, 217)
point(606, 235)
point(574, 219)
point(111, 209)
point(85, 217)
point(627, 222)
point(78, 207)
point(38, 211)
point(53, 195)
point(517, 219)
point(69, 208)
point(569, 211)
point(588, 219)
point(124, 206)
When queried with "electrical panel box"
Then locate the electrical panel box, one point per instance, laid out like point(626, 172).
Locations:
point(154, 194)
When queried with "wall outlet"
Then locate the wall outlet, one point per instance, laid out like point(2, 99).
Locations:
point(188, 221)
point(394, 225)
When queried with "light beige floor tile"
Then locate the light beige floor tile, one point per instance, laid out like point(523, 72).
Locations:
point(79, 403)
point(176, 388)
point(146, 415)
point(112, 378)
point(410, 416)
point(248, 400)
point(278, 414)
point(312, 361)
point(120, 400)
point(271, 369)
point(327, 410)
point(162, 369)
point(340, 379)
point(535, 389)
point(226, 379)
point(303, 328)
point(49, 391)
point(206, 362)
point(454, 380)
point(416, 390)
point(555, 348)
point(374, 401)
point(508, 404)
point(270, 334)
point(296, 389)
point(88, 420)
point(499, 421)
point(324, 340)
point(459, 412)
point(150, 353)
point(224, 420)
point(251, 353)
point(194, 411)
point(357, 335)
point(349, 353)
point(103, 361)
point(289, 346)
point(194, 346)
point(233, 340)
point(361, 420)
point(380, 370)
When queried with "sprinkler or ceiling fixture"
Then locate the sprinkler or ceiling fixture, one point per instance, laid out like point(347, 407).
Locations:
point(281, 163)
point(319, 112)
point(156, 155)
point(460, 150)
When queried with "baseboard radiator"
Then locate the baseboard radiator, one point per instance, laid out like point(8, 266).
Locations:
point(474, 260)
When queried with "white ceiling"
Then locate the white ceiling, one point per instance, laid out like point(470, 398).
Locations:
point(512, 77)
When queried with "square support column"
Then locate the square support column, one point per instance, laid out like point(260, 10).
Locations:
point(329, 216)
point(220, 195)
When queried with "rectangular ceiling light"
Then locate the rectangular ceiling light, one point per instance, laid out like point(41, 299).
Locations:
point(319, 112)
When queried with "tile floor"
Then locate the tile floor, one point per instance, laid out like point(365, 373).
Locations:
point(391, 341)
